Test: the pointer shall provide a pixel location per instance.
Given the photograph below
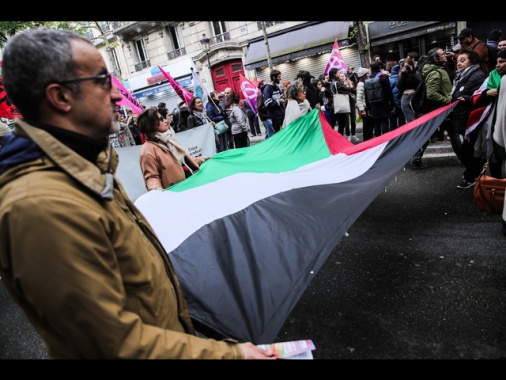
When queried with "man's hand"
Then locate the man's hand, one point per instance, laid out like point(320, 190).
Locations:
point(251, 351)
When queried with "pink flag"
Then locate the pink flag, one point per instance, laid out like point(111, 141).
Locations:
point(128, 99)
point(180, 90)
point(336, 60)
point(250, 92)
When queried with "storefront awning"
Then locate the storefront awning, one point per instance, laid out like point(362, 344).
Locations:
point(296, 43)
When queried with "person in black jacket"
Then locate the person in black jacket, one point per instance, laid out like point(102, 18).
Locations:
point(336, 86)
point(180, 117)
point(409, 78)
point(274, 101)
point(468, 78)
point(216, 113)
point(311, 91)
point(380, 111)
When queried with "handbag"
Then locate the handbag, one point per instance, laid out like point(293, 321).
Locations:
point(341, 103)
point(221, 127)
point(488, 192)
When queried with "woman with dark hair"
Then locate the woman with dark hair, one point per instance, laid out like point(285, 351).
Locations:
point(310, 89)
point(164, 162)
point(336, 86)
point(297, 105)
point(216, 113)
point(197, 113)
point(409, 78)
point(239, 121)
point(468, 78)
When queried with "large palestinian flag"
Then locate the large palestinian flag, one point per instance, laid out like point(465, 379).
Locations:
point(251, 229)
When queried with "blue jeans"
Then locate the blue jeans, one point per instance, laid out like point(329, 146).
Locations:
point(222, 143)
point(409, 114)
point(269, 131)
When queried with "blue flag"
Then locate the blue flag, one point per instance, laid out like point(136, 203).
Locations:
point(199, 89)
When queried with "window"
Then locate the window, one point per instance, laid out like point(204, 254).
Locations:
point(141, 50)
point(89, 34)
point(219, 27)
point(115, 63)
point(175, 37)
point(105, 26)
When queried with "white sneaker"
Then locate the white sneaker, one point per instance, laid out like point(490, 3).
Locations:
point(349, 138)
point(355, 139)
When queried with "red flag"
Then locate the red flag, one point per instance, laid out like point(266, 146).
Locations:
point(336, 60)
point(7, 109)
point(180, 90)
point(250, 92)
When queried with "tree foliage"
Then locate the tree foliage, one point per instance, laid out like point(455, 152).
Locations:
point(10, 28)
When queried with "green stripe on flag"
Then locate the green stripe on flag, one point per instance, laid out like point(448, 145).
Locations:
point(298, 144)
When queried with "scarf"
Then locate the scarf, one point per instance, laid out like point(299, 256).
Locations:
point(200, 117)
point(304, 107)
point(462, 75)
point(171, 144)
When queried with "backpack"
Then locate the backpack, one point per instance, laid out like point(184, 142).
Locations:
point(373, 89)
point(419, 102)
point(492, 55)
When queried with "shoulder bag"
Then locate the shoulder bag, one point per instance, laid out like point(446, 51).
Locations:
point(488, 192)
point(341, 102)
point(221, 127)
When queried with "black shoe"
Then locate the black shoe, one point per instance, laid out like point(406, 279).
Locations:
point(417, 164)
point(504, 227)
point(465, 185)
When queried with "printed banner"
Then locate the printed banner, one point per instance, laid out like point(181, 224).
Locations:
point(180, 90)
point(336, 60)
point(128, 99)
point(199, 141)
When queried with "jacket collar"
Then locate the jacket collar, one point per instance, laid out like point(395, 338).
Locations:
point(98, 178)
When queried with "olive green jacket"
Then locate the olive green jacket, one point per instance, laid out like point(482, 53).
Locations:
point(85, 265)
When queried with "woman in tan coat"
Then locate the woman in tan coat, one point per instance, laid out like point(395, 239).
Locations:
point(164, 162)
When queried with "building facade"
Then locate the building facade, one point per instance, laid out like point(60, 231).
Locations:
point(218, 51)
point(393, 40)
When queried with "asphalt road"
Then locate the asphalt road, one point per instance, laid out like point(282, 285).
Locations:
point(421, 275)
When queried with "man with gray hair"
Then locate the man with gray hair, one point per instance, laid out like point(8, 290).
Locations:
point(76, 254)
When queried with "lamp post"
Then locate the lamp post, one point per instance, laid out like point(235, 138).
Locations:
point(205, 43)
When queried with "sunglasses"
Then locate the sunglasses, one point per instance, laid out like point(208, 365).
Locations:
point(103, 80)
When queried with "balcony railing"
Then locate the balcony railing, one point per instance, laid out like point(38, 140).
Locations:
point(268, 23)
point(176, 53)
point(142, 65)
point(219, 38)
point(119, 24)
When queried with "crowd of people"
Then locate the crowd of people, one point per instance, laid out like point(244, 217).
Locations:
point(113, 292)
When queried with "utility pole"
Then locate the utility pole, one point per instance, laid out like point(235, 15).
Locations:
point(269, 60)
